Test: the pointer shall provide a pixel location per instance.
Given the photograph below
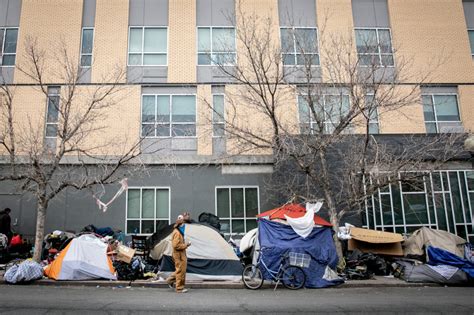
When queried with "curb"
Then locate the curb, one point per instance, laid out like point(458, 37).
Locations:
point(216, 284)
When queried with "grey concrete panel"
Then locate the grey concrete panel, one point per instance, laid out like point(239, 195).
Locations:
point(469, 13)
point(184, 144)
point(138, 74)
point(215, 12)
point(155, 13)
point(439, 89)
point(156, 146)
point(88, 13)
point(13, 13)
point(207, 74)
point(218, 89)
point(86, 75)
point(7, 74)
point(3, 12)
point(298, 74)
point(382, 74)
point(219, 146)
point(136, 13)
point(297, 13)
point(370, 13)
point(169, 90)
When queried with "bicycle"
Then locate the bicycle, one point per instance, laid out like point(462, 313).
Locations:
point(289, 272)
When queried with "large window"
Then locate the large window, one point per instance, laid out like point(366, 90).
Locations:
point(324, 113)
point(168, 116)
point(218, 115)
point(8, 40)
point(148, 209)
point(216, 46)
point(374, 47)
point(372, 114)
point(299, 46)
point(441, 200)
point(52, 114)
point(471, 40)
point(237, 208)
point(147, 46)
point(87, 42)
point(441, 112)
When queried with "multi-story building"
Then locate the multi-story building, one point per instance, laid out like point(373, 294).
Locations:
point(165, 45)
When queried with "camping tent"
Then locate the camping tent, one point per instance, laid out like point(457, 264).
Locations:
point(85, 257)
point(291, 210)
point(424, 237)
point(276, 238)
point(441, 274)
point(210, 257)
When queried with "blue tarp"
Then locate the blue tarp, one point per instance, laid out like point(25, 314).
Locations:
point(276, 239)
point(438, 256)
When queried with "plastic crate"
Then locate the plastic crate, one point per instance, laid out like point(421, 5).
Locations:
point(299, 259)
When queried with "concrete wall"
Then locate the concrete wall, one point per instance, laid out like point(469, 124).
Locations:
point(191, 189)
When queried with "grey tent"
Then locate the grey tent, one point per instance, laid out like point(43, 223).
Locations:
point(424, 237)
point(442, 274)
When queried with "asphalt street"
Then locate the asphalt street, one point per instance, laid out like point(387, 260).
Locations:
point(34, 299)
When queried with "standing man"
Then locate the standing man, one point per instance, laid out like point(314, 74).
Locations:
point(5, 223)
point(179, 257)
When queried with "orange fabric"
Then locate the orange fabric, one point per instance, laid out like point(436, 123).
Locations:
point(292, 210)
point(180, 261)
point(54, 269)
point(111, 266)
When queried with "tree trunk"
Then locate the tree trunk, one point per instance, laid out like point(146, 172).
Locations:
point(335, 226)
point(39, 235)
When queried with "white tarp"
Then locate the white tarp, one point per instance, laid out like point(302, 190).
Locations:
point(248, 240)
point(305, 224)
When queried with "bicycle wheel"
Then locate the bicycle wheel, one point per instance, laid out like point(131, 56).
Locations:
point(252, 277)
point(293, 277)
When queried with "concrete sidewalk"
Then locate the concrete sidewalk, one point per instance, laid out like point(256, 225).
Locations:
point(378, 281)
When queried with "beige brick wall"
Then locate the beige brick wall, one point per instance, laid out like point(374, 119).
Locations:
point(117, 126)
point(466, 104)
point(182, 52)
point(29, 107)
point(56, 26)
point(110, 39)
point(406, 119)
point(428, 33)
point(204, 120)
point(336, 32)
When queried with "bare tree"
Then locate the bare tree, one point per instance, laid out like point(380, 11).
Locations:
point(355, 82)
point(70, 151)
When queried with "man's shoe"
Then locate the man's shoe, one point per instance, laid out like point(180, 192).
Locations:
point(182, 291)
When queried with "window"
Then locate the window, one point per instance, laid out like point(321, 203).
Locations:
point(326, 114)
point(52, 115)
point(8, 40)
point(299, 46)
point(148, 209)
point(372, 114)
point(216, 46)
point(471, 40)
point(441, 200)
point(237, 208)
point(441, 112)
point(168, 116)
point(374, 47)
point(218, 118)
point(147, 46)
point(86, 47)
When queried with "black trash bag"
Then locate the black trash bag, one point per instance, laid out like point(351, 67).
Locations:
point(131, 271)
point(89, 229)
point(210, 219)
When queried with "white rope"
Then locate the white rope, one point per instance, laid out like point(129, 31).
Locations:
point(103, 205)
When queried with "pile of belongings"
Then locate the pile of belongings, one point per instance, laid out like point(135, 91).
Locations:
point(436, 256)
point(24, 272)
point(369, 252)
point(292, 227)
point(55, 242)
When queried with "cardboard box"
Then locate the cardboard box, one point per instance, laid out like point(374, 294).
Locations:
point(125, 253)
point(376, 242)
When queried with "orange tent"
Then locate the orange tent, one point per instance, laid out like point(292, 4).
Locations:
point(292, 210)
